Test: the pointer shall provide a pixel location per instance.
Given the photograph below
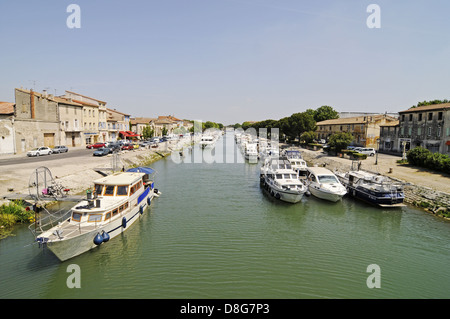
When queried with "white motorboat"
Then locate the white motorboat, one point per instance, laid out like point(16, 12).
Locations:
point(207, 141)
point(118, 200)
point(298, 163)
point(251, 153)
point(324, 184)
point(281, 181)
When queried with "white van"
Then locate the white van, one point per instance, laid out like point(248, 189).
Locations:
point(368, 151)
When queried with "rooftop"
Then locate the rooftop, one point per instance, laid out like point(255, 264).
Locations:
point(6, 108)
point(424, 108)
point(357, 120)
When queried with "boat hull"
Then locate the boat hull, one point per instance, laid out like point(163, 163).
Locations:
point(379, 199)
point(66, 249)
point(329, 196)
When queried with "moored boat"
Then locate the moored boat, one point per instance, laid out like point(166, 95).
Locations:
point(298, 163)
point(118, 200)
point(373, 188)
point(281, 181)
point(322, 183)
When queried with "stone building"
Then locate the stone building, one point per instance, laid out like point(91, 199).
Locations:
point(365, 129)
point(117, 122)
point(70, 123)
point(95, 128)
point(7, 128)
point(389, 141)
point(426, 126)
point(36, 120)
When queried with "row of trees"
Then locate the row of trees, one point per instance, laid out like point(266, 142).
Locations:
point(299, 126)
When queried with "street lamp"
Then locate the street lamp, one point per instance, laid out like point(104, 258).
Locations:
point(378, 148)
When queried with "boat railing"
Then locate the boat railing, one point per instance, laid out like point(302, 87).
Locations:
point(42, 224)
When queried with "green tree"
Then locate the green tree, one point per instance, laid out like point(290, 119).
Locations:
point(147, 132)
point(324, 113)
point(164, 131)
point(340, 141)
point(308, 137)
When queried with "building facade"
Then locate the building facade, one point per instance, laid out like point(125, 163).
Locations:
point(36, 121)
point(426, 126)
point(364, 129)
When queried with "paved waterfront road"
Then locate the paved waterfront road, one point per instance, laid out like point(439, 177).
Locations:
point(23, 159)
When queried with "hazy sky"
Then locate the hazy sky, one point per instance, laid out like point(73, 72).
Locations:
point(229, 61)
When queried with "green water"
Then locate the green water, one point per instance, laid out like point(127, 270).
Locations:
point(214, 233)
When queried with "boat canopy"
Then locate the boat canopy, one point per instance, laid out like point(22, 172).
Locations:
point(146, 170)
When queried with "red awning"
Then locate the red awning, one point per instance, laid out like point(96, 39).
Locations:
point(448, 143)
point(128, 134)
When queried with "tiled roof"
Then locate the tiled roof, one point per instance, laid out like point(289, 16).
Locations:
point(355, 120)
point(86, 96)
point(6, 108)
point(427, 108)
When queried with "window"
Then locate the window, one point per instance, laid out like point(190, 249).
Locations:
point(94, 218)
point(439, 131)
point(409, 131)
point(98, 189)
point(107, 216)
point(419, 131)
point(115, 212)
point(440, 116)
point(403, 117)
point(430, 116)
point(76, 217)
point(448, 131)
point(410, 117)
point(420, 116)
point(429, 131)
point(109, 190)
point(122, 190)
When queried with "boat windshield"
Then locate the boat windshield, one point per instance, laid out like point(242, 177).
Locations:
point(286, 176)
point(327, 179)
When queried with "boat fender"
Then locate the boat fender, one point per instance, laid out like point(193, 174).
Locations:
point(105, 236)
point(308, 193)
point(149, 200)
point(98, 239)
point(124, 222)
point(141, 210)
point(278, 196)
point(155, 190)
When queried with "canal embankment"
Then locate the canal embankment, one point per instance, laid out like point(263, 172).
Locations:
point(425, 189)
point(78, 174)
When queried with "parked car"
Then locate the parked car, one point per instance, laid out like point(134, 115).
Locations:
point(44, 150)
point(368, 151)
point(96, 145)
point(102, 151)
point(60, 149)
point(129, 147)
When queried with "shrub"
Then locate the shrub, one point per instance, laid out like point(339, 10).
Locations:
point(422, 157)
point(17, 209)
point(359, 156)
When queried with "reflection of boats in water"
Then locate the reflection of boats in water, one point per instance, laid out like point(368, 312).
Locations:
point(372, 188)
point(281, 181)
point(323, 184)
point(117, 202)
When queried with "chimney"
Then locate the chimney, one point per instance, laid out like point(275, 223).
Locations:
point(32, 103)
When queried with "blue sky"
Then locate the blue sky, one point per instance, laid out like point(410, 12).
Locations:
point(229, 61)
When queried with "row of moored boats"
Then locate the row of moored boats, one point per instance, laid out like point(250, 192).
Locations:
point(287, 177)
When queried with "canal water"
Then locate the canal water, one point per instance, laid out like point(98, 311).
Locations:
point(214, 233)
